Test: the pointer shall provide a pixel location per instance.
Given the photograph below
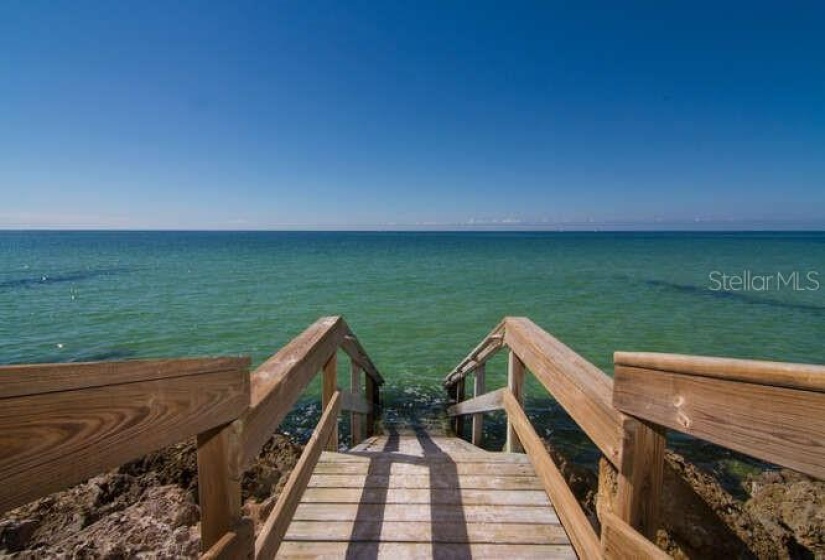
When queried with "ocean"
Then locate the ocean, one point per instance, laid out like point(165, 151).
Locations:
point(418, 301)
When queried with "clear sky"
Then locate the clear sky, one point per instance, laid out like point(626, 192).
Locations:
point(304, 114)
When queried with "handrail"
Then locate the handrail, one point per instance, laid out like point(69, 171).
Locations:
point(770, 410)
point(62, 423)
point(571, 515)
point(485, 350)
point(276, 525)
point(277, 384)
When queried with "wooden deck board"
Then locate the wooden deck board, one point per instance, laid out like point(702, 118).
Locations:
point(418, 496)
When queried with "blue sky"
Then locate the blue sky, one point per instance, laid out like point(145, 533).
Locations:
point(238, 115)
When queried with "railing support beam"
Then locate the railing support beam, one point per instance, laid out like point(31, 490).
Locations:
point(355, 417)
point(515, 383)
point(330, 386)
point(478, 419)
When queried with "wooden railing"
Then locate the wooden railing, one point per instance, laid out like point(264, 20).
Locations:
point(772, 411)
point(62, 423)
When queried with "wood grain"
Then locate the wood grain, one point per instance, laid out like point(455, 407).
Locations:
point(484, 403)
point(515, 387)
point(638, 499)
point(328, 391)
point(808, 377)
point(776, 424)
point(621, 542)
point(581, 388)
point(478, 418)
point(273, 530)
point(356, 416)
point(581, 533)
point(219, 483)
point(278, 383)
point(53, 440)
point(35, 379)
point(485, 350)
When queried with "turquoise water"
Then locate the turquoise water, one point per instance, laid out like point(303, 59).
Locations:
point(418, 301)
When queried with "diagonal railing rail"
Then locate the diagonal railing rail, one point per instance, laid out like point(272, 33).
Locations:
point(770, 410)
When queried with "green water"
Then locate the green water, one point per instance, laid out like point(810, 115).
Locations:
point(418, 302)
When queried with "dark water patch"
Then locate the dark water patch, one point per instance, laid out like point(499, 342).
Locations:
point(729, 295)
point(61, 278)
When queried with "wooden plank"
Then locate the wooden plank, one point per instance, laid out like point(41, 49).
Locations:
point(355, 418)
point(234, 545)
point(423, 512)
point(356, 404)
point(515, 386)
point(581, 388)
point(330, 388)
point(418, 531)
point(278, 383)
point(352, 346)
point(478, 419)
point(775, 424)
point(807, 377)
point(435, 468)
point(570, 513)
point(219, 483)
point(485, 350)
point(54, 440)
point(19, 381)
point(425, 496)
point(488, 482)
point(453, 457)
point(418, 550)
point(620, 541)
point(484, 403)
point(273, 530)
point(639, 494)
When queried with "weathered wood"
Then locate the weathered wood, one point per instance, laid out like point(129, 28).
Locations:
point(278, 383)
point(356, 404)
point(620, 542)
point(776, 424)
point(422, 531)
point(53, 440)
point(355, 417)
point(460, 395)
point(478, 419)
point(219, 483)
point(407, 550)
point(426, 496)
point(484, 403)
point(582, 389)
point(485, 350)
point(273, 530)
point(371, 390)
point(640, 477)
point(808, 377)
point(237, 544)
point(330, 387)
point(35, 379)
point(433, 468)
point(515, 385)
point(581, 534)
point(486, 482)
point(423, 512)
point(356, 352)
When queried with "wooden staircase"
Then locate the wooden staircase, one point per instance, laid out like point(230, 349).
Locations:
point(415, 494)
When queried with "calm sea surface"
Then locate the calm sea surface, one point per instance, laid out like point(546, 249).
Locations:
point(419, 302)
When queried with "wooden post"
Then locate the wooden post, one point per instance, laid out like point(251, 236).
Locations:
point(515, 383)
point(355, 418)
point(369, 389)
point(640, 476)
point(219, 485)
point(478, 419)
point(330, 386)
point(458, 421)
